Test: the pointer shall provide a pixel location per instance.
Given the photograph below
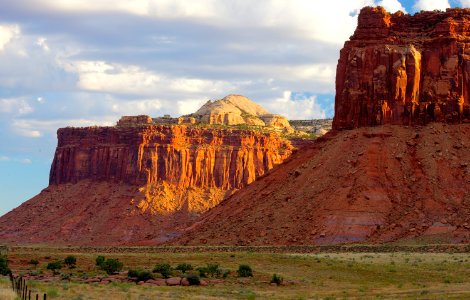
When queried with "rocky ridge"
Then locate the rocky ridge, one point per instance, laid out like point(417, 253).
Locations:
point(236, 110)
point(405, 70)
point(139, 184)
point(372, 184)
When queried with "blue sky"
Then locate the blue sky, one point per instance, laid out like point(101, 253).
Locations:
point(81, 62)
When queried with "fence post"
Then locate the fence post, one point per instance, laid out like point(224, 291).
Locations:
point(29, 296)
point(45, 297)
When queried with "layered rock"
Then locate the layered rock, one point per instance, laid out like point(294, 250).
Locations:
point(366, 185)
point(182, 155)
point(139, 183)
point(236, 110)
point(402, 69)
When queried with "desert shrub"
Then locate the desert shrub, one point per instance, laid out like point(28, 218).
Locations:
point(245, 271)
point(111, 265)
point(164, 269)
point(34, 262)
point(213, 270)
point(100, 260)
point(277, 279)
point(144, 276)
point(4, 269)
point(193, 279)
point(202, 271)
point(54, 266)
point(132, 273)
point(184, 267)
point(210, 270)
point(70, 261)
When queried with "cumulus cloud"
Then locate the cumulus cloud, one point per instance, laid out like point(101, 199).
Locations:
point(465, 3)
point(431, 5)
point(391, 5)
point(15, 106)
point(297, 107)
point(132, 79)
point(137, 107)
point(7, 33)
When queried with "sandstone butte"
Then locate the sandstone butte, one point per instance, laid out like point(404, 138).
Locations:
point(401, 172)
point(137, 184)
point(405, 70)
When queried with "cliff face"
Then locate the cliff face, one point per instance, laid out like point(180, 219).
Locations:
point(402, 69)
point(181, 155)
point(139, 184)
point(367, 185)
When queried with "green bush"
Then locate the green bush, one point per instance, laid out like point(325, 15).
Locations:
point(184, 267)
point(132, 273)
point(164, 269)
point(277, 279)
point(111, 266)
point(193, 279)
point(70, 261)
point(34, 262)
point(213, 270)
point(144, 276)
point(202, 271)
point(4, 270)
point(100, 260)
point(139, 275)
point(245, 271)
point(54, 266)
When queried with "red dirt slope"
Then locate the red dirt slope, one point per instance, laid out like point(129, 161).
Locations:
point(365, 185)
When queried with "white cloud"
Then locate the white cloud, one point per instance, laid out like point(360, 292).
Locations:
point(37, 128)
point(26, 161)
point(431, 5)
point(132, 79)
point(15, 106)
point(465, 3)
point(4, 158)
point(42, 43)
point(7, 33)
point(137, 107)
point(330, 21)
point(190, 105)
point(40, 100)
point(391, 5)
point(303, 108)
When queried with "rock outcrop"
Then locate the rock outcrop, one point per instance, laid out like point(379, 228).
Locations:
point(139, 183)
point(182, 155)
point(369, 185)
point(403, 69)
point(237, 110)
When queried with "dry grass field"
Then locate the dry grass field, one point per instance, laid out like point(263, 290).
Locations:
point(347, 275)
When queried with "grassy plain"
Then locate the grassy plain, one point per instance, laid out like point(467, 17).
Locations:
point(347, 275)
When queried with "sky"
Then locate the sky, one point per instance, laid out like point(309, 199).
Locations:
point(81, 63)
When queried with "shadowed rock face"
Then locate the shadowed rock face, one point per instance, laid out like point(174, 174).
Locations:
point(402, 69)
point(370, 185)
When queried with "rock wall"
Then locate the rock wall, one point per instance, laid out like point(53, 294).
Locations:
point(181, 155)
point(402, 69)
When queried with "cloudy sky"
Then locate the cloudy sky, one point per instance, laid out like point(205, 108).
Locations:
point(82, 62)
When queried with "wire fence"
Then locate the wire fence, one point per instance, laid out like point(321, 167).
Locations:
point(20, 287)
